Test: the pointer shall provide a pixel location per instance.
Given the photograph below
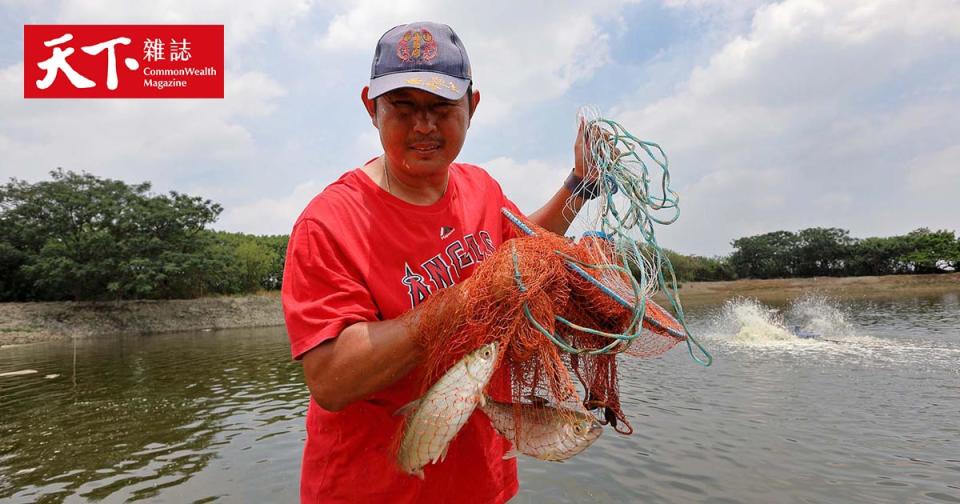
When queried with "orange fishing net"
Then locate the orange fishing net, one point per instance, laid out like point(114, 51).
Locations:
point(562, 312)
point(555, 327)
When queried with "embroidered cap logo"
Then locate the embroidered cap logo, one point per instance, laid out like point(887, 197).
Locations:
point(417, 46)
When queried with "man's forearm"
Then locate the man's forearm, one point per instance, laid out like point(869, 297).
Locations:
point(364, 358)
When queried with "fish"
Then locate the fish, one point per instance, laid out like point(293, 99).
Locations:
point(435, 419)
point(552, 433)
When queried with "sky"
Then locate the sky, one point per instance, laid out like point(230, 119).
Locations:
point(774, 115)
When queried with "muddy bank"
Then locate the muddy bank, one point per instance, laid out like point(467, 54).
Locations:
point(33, 322)
point(785, 289)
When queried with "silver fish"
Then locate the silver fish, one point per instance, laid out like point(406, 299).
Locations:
point(547, 432)
point(434, 419)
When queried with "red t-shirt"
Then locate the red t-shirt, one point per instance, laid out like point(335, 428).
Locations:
point(358, 253)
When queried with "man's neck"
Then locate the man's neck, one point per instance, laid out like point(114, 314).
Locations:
point(412, 189)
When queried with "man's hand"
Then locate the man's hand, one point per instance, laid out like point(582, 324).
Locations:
point(582, 157)
point(585, 165)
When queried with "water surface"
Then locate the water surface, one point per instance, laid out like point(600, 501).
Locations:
point(868, 412)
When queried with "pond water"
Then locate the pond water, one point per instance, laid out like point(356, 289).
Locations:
point(868, 411)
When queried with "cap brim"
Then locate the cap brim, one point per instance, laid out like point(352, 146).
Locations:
point(437, 83)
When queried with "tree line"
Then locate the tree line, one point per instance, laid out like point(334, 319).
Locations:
point(825, 252)
point(82, 237)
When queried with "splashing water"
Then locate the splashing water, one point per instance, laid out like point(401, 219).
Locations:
point(820, 315)
point(750, 322)
point(744, 324)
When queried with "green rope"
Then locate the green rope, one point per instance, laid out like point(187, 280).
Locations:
point(622, 161)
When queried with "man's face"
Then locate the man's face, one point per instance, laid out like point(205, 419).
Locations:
point(421, 133)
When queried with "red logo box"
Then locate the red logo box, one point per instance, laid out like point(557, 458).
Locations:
point(123, 61)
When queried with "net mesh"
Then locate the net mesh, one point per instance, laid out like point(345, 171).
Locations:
point(562, 311)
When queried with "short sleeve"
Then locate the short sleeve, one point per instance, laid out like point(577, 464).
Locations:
point(322, 292)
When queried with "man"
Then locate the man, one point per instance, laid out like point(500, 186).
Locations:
point(374, 245)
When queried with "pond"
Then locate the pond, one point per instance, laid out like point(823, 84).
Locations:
point(866, 411)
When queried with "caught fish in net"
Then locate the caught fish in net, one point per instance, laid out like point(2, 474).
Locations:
point(560, 311)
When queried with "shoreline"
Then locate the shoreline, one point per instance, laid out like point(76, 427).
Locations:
point(34, 322)
point(787, 289)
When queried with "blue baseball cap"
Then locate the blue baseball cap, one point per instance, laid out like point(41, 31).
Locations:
point(422, 55)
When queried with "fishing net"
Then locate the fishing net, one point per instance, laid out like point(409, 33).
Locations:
point(562, 310)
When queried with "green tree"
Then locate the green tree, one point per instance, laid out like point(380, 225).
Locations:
point(930, 251)
point(770, 255)
point(251, 262)
point(694, 268)
point(822, 251)
point(875, 256)
point(82, 237)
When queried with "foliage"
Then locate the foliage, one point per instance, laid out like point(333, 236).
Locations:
point(694, 268)
point(81, 237)
point(832, 252)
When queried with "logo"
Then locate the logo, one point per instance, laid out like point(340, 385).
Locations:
point(445, 231)
point(416, 288)
point(445, 268)
point(123, 61)
point(417, 46)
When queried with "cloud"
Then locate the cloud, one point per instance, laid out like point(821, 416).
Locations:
point(834, 97)
point(368, 142)
point(935, 174)
point(270, 215)
point(548, 48)
point(775, 115)
point(131, 139)
point(529, 184)
point(177, 144)
point(241, 20)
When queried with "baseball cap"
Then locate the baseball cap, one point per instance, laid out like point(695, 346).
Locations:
point(422, 55)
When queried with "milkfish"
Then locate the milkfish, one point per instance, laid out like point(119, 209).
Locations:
point(546, 432)
point(434, 419)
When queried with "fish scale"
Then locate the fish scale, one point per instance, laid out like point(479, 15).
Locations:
point(547, 433)
point(435, 419)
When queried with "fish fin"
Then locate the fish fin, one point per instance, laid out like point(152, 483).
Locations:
point(511, 454)
point(419, 473)
point(408, 408)
point(443, 456)
point(483, 397)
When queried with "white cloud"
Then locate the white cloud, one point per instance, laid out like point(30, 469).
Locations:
point(530, 183)
point(271, 215)
point(128, 138)
point(775, 115)
point(368, 142)
point(538, 56)
point(835, 97)
point(936, 174)
point(241, 20)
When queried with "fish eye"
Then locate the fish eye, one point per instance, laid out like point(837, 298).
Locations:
point(486, 353)
point(578, 428)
